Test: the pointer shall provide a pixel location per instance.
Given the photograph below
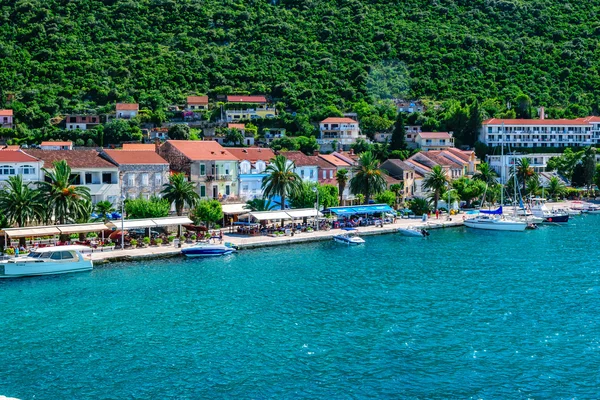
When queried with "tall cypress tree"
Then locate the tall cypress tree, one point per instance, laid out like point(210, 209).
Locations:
point(398, 141)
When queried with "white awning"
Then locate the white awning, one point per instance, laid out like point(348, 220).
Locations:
point(131, 224)
point(267, 215)
point(303, 213)
point(168, 221)
point(82, 228)
point(31, 231)
point(236, 208)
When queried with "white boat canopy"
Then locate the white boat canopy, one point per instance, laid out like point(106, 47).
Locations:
point(303, 213)
point(31, 231)
point(269, 215)
point(235, 208)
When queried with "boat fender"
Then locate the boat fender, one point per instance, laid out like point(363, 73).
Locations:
point(550, 219)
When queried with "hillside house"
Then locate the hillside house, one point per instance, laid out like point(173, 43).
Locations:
point(6, 119)
point(81, 122)
point(127, 110)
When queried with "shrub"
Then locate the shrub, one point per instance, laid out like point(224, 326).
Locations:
point(159, 241)
point(146, 241)
point(193, 237)
point(134, 243)
point(9, 251)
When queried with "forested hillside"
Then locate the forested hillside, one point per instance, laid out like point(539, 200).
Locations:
point(70, 56)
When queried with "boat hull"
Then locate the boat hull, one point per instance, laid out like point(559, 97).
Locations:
point(207, 251)
point(496, 226)
point(20, 270)
point(557, 218)
point(348, 241)
point(410, 232)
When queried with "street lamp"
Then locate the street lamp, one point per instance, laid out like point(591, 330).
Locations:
point(315, 190)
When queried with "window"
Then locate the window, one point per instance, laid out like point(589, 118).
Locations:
point(244, 188)
point(145, 179)
point(226, 169)
point(312, 173)
point(302, 173)
point(130, 179)
point(330, 174)
point(227, 190)
point(157, 179)
point(324, 174)
point(27, 170)
point(202, 191)
point(107, 177)
point(202, 169)
point(7, 170)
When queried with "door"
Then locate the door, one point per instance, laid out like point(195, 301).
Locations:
point(215, 192)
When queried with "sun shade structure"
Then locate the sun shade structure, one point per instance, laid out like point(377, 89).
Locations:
point(149, 222)
point(235, 208)
point(31, 231)
point(303, 213)
point(287, 214)
point(82, 228)
point(364, 209)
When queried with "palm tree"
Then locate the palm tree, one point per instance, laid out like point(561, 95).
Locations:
point(435, 181)
point(524, 171)
point(486, 174)
point(180, 191)
point(368, 178)
point(64, 201)
point(20, 204)
point(260, 205)
point(103, 209)
point(533, 185)
point(555, 187)
point(342, 178)
point(281, 180)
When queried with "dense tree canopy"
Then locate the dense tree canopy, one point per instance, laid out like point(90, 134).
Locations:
point(313, 57)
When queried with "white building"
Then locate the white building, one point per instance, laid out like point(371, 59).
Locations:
point(516, 133)
point(197, 103)
point(434, 140)
point(239, 108)
point(343, 131)
point(304, 166)
point(82, 122)
point(253, 163)
point(503, 164)
point(127, 110)
point(15, 162)
point(56, 145)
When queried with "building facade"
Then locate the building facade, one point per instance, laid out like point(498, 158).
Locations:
point(404, 173)
point(532, 133)
point(16, 162)
point(434, 140)
point(239, 108)
point(81, 122)
point(127, 110)
point(142, 172)
point(56, 145)
point(197, 103)
point(253, 163)
point(304, 166)
point(336, 132)
point(6, 119)
point(208, 164)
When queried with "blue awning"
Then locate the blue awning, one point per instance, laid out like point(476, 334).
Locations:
point(363, 209)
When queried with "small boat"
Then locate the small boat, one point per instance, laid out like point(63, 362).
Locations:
point(413, 231)
point(349, 238)
point(208, 250)
point(490, 223)
point(47, 261)
point(593, 209)
point(540, 210)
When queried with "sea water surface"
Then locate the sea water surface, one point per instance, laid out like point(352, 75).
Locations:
point(461, 314)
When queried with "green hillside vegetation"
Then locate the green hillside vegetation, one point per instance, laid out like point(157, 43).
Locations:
point(314, 58)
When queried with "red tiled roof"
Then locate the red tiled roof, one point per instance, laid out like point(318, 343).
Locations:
point(246, 99)
point(202, 150)
point(338, 121)
point(128, 106)
point(237, 126)
point(434, 135)
point(16, 156)
point(139, 147)
point(197, 99)
point(75, 158)
point(299, 158)
point(592, 119)
point(398, 163)
point(10, 147)
point(338, 162)
point(252, 154)
point(56, 144)
point(535, 122)
point(131, 157)
point(321, 163)
point(464, 155)
point(6, 113)
point(390, 180)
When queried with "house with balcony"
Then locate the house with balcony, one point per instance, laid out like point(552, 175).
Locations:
point(127, 110)
point(88, 169)
point(248, 137)
point(81, 122)
point(56, 145)
point(16, 162)
point(271, 134)
point(143, 172)
point(434, 140)
point(503, 164)
point(338, 132)
point(532, 133)
point(304, 165)
point(209, 165)
point(410, 136)
point(239, 108)
point(6, 119)
point(338, 162)
point(252, 166)
point(409, 106)
point(197, 103)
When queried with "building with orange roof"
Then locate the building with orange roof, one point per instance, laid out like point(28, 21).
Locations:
point(304, 165)
point(81, 122)
point(338, 133)
point(434, 140)
point(244, 108)
point(6, 119)
point(139, 147)
point(532, 133)
point(197, 103)
point(127, 110)
point(16, 162)
point(208, 164)
point(143, 173)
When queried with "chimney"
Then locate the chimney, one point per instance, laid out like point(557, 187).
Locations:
point(542, 113)
point(351, 152)
point(316, 153)
point(156, 144)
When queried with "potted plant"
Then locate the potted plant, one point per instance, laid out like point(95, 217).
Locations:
point(193, 238)
point(158, 241)
point(9, 251)
point(146, 241)
point(133, 243)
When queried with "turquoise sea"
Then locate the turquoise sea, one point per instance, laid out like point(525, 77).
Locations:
point(461, 314)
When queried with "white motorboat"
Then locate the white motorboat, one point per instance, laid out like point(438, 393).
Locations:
point(208, 250)
point(490, 223)
point(349, 238)
point(47, 261)
point(413, 231)
point(540, 210)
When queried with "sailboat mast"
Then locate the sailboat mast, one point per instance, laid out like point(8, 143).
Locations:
point(502, 167)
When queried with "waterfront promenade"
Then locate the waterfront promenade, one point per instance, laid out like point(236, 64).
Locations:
point(251, 242)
